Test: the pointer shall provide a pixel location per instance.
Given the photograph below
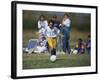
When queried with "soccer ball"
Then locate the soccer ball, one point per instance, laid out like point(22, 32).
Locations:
point(75, 51)
point(53, 58)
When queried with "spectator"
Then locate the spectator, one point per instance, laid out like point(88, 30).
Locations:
point(42, 22)
point(88, 45)
point(65, 31)
point(80, 46)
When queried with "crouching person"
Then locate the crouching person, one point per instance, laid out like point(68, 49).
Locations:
point(41, 48)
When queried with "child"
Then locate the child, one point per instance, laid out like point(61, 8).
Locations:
point(56, 23)
point(51, 34)
point(80, 46)
point(41, 46)
point(65, 31)
point(42, 23)
point(88, 44)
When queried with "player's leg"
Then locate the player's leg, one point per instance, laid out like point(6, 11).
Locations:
point(49, 40)
point(50, 43)
point(54, 46)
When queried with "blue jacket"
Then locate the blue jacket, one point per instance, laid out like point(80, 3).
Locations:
point(56, 24)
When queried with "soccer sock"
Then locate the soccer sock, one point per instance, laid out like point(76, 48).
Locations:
point(53, 52)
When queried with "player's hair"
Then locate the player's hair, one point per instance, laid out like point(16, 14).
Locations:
point(50, 22)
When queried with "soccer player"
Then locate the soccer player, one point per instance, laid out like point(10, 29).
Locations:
point(51, 34)
point(88, 44)
point(65, 30)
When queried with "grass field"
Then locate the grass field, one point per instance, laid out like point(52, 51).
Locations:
point(33, 61)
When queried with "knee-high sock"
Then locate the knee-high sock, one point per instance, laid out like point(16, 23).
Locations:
point(53, 52)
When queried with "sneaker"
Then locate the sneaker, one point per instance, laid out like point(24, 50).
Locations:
point(63, 53)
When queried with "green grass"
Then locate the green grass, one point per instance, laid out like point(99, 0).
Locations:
point(33, 61)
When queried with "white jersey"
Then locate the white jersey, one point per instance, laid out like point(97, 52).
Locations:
point(52, 32)
point(67, 22)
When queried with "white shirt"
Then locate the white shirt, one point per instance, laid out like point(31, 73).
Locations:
point(67, 22)
point(52, 32)
point(42, 24)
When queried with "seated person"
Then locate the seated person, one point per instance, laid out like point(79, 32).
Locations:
point(41, 46)
point(80, 46)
